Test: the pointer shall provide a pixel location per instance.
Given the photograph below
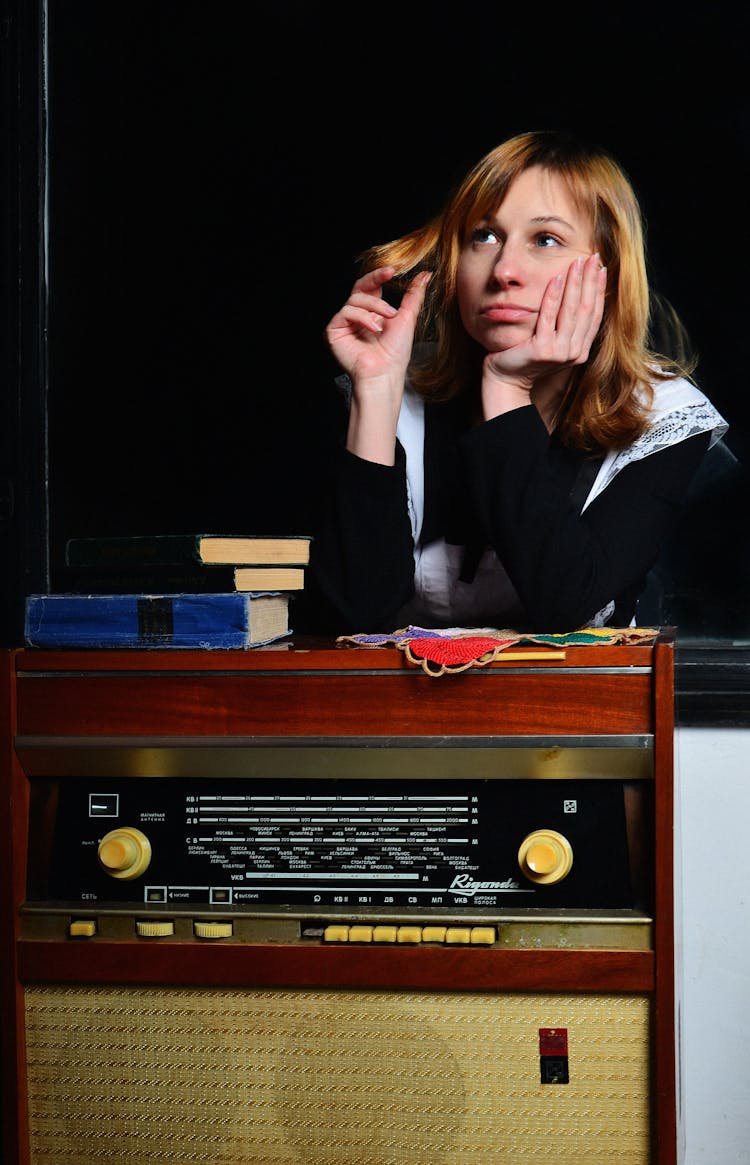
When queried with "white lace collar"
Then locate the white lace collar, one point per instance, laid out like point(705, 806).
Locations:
point(679, 410)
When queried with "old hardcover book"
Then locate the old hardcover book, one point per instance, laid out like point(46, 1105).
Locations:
point(134, 579)
point(269, 578)
point(147, 550)
point(236, 619)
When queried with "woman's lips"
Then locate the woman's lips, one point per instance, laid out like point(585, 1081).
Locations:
point(506, 313)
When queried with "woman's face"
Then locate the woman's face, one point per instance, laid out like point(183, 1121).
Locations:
point(510, 258)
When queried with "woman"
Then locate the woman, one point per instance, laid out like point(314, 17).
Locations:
point(514, 451)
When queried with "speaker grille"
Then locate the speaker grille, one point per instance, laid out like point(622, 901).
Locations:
point(135, 1076)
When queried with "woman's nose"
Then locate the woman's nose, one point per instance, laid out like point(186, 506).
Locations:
point(507, 270)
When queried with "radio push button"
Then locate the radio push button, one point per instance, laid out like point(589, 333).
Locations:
point(360, 934)
point(434, 934)
point(545, 857)
point(124, 853)
point(409, 934)
point(483, 936)
point(385, 934)
point(458, 934)
point(82, 928)
point(336, 934)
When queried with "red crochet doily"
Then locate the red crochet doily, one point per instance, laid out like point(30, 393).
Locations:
point(450, 655)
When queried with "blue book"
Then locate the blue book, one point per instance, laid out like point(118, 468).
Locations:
point(238, 619)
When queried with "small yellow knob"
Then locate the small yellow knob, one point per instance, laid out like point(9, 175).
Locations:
point(545, 857)
point(153, 928)
point(213, 929)
point(124, 853)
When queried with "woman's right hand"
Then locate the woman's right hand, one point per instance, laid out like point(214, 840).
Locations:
point(372, 341)
point(369, 336)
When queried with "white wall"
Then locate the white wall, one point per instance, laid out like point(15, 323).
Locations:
point(712, 770)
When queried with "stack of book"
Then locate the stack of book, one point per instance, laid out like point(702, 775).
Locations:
point(172, 590)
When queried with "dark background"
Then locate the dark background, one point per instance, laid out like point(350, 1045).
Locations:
point(214, 170)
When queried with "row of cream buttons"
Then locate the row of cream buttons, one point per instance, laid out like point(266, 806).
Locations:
point(148, 928)
point(472, 935)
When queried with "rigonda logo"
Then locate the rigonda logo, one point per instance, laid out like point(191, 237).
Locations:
point(465, 884)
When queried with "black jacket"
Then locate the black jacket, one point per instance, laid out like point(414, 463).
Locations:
point(508, 484)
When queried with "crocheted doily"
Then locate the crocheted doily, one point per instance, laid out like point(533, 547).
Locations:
point(454, 649)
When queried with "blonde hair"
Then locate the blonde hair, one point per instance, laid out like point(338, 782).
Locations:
point(607, 401)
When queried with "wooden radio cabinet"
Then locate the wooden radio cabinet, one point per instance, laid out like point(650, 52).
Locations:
point(341, 1028)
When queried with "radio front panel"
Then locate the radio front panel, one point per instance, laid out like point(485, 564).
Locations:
point(513, 842)
point(409, 845)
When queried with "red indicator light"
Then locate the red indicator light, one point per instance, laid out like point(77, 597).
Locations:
point(553, 1041)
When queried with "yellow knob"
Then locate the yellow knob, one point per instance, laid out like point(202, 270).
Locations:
point(124, 853)
point(545, 857)
point(212, 929)
point(119, 853)
point(541, 858)
point(152, 928)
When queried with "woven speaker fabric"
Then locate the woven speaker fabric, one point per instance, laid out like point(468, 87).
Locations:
point(140, 1076)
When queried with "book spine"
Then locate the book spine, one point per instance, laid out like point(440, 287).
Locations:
point(212, 621)
point(192, 578)
point(140, 551)
point(251, 578)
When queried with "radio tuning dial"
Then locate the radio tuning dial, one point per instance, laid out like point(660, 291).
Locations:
point(124, 853)
point(545, 857)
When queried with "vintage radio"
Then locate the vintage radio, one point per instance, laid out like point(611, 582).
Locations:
point(316, 906)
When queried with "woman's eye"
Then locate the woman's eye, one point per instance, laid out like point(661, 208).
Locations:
point(483, 235)
point(545, 240)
